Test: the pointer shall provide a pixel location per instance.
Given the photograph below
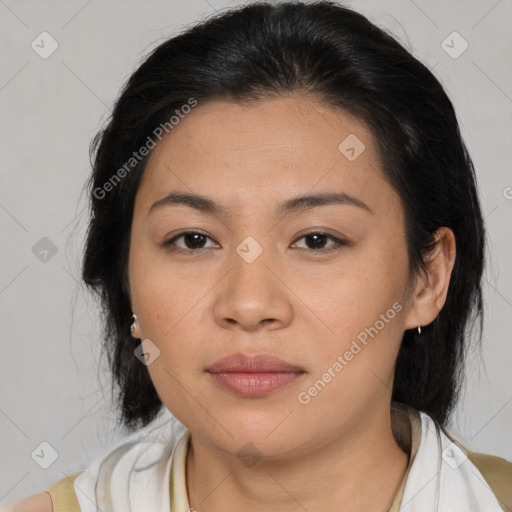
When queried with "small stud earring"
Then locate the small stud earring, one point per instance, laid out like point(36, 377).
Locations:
point(419, 329)
point(132, 326)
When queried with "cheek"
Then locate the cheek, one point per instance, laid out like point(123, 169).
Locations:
point(355, 364)
point(363, 306)
point(361, 293)
point(171, 304)
point(163, 294)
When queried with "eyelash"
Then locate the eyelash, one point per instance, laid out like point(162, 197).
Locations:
point(338, 243)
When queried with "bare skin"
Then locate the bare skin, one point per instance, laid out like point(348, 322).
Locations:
point(40, 502)
point(200, 302)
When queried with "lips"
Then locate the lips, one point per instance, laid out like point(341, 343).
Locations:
point(252, 364)
point(253, 376)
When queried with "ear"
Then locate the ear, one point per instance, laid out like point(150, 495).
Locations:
point(430, 292)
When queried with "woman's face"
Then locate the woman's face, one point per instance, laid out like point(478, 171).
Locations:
point(255, 284)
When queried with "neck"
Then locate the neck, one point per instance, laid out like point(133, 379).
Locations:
point(361, 469)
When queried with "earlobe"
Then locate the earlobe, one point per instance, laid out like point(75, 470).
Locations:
point(430, 294)
point(134, 327)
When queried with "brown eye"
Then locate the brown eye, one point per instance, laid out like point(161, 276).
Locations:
point(193, 240)
point(316, 241)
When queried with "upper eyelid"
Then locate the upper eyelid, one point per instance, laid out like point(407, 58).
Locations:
point(318, 231)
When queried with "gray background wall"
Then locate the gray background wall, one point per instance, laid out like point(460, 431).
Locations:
point(53, 385)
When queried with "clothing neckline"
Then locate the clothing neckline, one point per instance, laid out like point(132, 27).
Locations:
point(406, 427)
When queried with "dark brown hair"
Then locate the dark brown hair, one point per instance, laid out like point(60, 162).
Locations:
point(260, 51)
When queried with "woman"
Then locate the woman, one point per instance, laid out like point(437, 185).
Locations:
point(287, 241)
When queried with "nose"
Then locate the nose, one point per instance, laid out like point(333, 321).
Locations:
point(253, 295)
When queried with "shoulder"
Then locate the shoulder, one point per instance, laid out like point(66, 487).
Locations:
point(494, 468)
point(491, 464)
point(59, 497)
point(40, 502)
point(497, 472)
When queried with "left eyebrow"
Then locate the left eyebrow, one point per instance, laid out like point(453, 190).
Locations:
point(295, 204)
point(306, 202)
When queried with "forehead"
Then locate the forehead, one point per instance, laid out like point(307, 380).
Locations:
point(266, 150)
